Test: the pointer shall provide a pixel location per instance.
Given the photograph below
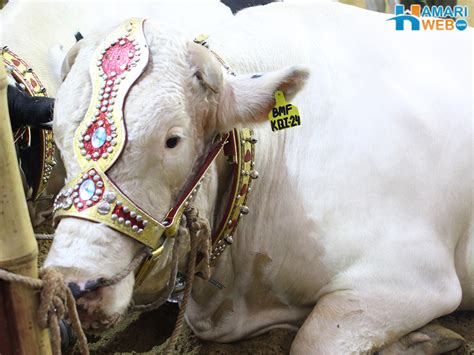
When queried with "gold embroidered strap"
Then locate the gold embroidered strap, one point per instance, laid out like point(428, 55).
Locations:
point(30, 82)
point(242, 160)
point(115, 66)
point(94, 197)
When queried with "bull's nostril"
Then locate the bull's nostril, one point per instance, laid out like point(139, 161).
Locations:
point(76, 290)
point(91, 285)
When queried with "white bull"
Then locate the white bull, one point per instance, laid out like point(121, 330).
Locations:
point(361, 226)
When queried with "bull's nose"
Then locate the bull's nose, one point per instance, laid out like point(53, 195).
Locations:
point(78, 291)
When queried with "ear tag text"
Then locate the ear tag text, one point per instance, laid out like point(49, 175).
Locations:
point(283, 115)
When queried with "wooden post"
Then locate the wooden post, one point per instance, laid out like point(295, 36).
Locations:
point(19, 330)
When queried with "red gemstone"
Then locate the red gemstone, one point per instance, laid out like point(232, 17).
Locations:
point(33, 82)
point(243, 190)
point(16, 62)
point(248, 156)
point(118, 57)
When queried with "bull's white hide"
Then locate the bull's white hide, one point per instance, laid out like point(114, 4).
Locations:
point(42, 32)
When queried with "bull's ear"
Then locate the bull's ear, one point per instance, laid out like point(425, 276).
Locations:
point(248, 98)
point(70, 59)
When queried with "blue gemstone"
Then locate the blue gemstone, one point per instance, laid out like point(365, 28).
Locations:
point(98, 137)
point(87, 190)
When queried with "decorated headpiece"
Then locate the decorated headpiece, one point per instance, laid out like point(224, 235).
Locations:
point(100, 139)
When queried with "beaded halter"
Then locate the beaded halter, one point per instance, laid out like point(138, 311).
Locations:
point(101, 137)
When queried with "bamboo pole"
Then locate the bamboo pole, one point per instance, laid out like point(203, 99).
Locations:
point(19, 330)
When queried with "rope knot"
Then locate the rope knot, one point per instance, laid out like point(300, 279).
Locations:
point(53, 297)
point(56, 299)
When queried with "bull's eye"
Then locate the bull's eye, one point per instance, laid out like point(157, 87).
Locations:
point(172, 142)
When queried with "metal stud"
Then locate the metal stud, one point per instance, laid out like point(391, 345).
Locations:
point(114, 216)
point(121, 220)
point(244, 209)
point(103, 208)
point(254, 174)
point(87, 138)
point(128, 223)
point(109, 196)
point(96, 178)
point(140, 231)
point(135, 228)
point(88, 203)
point(133, 214)
point(80, 205)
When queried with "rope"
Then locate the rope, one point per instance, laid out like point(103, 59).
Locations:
point(136, 261)
point(200, 234)
point(44, 236)
point(55, 301)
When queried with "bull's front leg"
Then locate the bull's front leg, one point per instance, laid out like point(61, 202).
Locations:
point(375, 307)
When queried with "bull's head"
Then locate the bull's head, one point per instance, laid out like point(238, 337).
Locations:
point(173, 112)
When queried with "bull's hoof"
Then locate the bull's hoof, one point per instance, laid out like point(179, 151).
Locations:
point(429, 340)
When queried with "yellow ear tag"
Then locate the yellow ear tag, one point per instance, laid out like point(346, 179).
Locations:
point(283, 115)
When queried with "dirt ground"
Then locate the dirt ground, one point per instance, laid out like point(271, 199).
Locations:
point(146, 335)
